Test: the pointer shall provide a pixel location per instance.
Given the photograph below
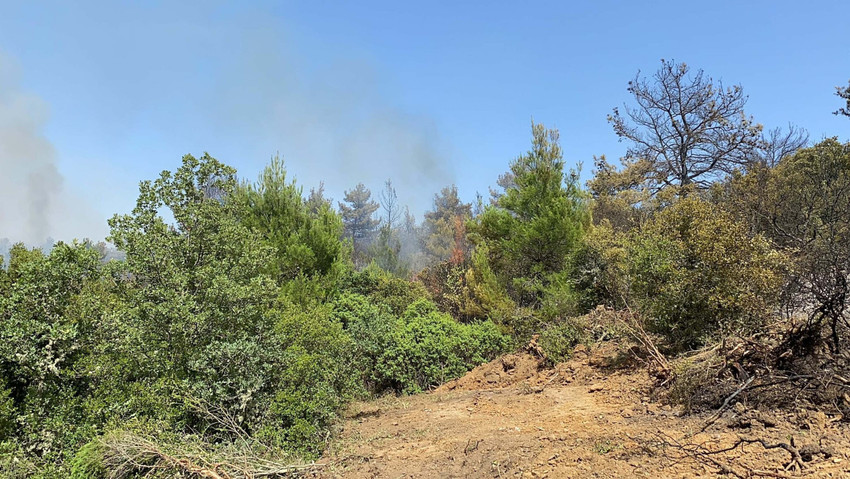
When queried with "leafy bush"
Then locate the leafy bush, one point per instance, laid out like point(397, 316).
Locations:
point(695, 271)
point(421, 349)
point(431, 348)
point(597, 269)
point(383, 288)
point(559, 341)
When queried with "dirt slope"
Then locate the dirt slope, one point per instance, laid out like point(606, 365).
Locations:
point(514, 418)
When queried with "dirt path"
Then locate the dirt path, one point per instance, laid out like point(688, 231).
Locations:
point(512, 418)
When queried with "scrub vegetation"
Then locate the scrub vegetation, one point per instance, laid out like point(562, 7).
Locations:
point(229, 322)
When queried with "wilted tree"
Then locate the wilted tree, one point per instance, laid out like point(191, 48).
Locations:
point(389, 202)
point(443, 223)
point(357, 216)
point(689, 128)
point(843, 93)
point(777, 144)
point(803, 205)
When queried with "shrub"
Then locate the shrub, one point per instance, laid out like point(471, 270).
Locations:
point(430, 348)
point(598, 269)
point(559, 341)
point(371, 328)
point(803, 205)
point(695, 271)
point(383, 288)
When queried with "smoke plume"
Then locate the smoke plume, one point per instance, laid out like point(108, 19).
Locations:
point(338, 123)
point(34, 205)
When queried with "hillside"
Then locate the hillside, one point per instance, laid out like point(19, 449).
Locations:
point(514, 417)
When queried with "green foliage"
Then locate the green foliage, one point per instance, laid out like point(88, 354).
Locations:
point(383, 288)
point(42, 342)
point(357, 212)
point(524, 241)
point(695, 271)
point(431, 348)
point(88, 461)
point(559, 341)
point(198, 281)
point(420, 349)
point(535, 225)
point(598, 269)
point(306, 236)
point(313, 375)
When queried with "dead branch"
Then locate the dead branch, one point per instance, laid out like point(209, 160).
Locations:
point(634, 328)
point(128, 454)
point(706, 456)
point(714, 417)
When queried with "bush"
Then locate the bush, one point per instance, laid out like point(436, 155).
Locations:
point(803, 205)
point(431, 348)
point(695, 271)
point(559, 341)
point(383, 288)
point(598, 269)
point(371, 328)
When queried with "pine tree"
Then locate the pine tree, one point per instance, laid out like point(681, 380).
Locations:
point(357, 209)
point(536, 224)
point(442, 225)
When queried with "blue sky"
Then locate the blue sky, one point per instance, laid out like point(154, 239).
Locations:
point(428, 94)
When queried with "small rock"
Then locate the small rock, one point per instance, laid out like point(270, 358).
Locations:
point(595, 387)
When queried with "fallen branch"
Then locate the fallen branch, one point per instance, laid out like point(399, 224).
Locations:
point(714, 417)
point(128, 455)
point(703, 455)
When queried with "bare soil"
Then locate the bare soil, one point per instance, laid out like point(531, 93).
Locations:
point(514, 417)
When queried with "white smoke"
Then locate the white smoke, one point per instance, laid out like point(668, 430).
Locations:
point(34, 205)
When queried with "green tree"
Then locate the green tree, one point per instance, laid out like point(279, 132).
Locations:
point(199, 279)
point(205, 321)
point(357, 211)
point(533, 228)
point(305, 234)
